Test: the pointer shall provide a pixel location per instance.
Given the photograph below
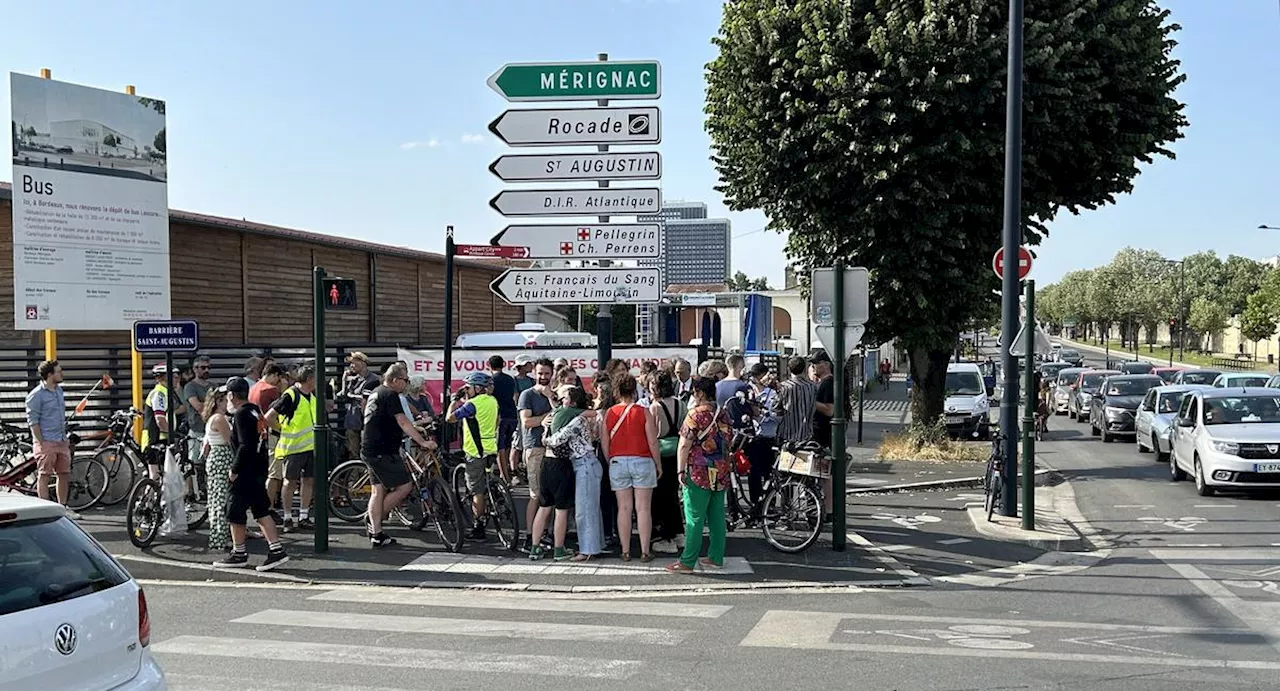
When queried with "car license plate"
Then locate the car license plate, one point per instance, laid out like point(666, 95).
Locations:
point(959, 419)
point(1266, 467)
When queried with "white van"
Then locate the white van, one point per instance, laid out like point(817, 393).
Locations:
point(966, 405)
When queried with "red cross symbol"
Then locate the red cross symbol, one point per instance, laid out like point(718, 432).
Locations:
point(584, 234)
point(566, 248)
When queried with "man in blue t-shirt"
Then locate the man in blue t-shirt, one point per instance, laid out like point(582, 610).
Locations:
point(727, 391)
point(504, 389)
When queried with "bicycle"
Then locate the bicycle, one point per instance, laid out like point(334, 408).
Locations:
point(121, 456)
point(145, 513)
point(993, 479)
point(431, 499)
point(499, 505)
point(85, 485)
point(789, 511)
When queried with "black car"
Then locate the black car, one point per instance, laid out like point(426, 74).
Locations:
point(1114, 404)
point(1071, 357)
point(1136, 367)
point(1049, 370)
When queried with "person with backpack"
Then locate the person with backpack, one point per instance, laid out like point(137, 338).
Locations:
point(667, 411)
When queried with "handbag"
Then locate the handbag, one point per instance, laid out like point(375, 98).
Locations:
point(668, 445)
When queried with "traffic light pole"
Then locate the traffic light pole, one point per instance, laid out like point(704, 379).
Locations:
point(450, 250)
point(1012, 240)
point(604, 312)
point(321, 428)
point(839, 535)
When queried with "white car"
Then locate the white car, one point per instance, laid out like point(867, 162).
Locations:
point(1153, 424)
point(1228, 439)
point(71, 618)
point(967, 403)
point(1230, 380)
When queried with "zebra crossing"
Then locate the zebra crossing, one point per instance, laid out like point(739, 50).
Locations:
point(396, 640)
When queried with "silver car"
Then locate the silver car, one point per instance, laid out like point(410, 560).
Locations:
point(1063, 388)
point(1153, 425)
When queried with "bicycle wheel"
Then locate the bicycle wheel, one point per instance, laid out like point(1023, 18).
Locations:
point(445, 513)
point(413, 512)
point(87, 483)
point(792, 516)
point(994, 490)
point(144, 515)
point(350, 487)
point(120, 475)
point(197, 500)
point(503, 509)
point(458, 478)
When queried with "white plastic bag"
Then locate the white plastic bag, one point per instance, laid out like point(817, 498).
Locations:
point(173, 495)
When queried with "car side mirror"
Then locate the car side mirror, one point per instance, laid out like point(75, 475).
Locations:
point(1183, 422)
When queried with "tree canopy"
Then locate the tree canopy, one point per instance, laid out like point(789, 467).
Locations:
point(872, 131)
point(740, 283)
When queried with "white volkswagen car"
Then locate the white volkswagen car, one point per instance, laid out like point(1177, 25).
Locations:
point(71, 618)
point(1228, 439)
point(1153, 424)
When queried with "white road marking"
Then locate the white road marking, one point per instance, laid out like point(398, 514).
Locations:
point(813, 631)
point(1214, 506)
point(464, 627)
point(1261, 616)
point(877, 554)
point(896, 548)
point(955, 541)
point(1201, 545)
point(407, 658)
point(524, 603)
point(1134, 506)
point(234, 681)
point(480, 564)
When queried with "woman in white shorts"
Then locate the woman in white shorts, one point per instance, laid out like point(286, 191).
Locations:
point(629, 439)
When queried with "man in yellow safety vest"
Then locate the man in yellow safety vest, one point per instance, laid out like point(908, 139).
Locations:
point(294, 414)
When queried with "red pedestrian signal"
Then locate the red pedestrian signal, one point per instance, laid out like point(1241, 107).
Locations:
point(340, 293)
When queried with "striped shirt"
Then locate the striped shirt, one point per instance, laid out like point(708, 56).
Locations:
point(797, 399)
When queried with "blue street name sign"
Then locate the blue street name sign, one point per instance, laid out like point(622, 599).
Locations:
point(166, 336)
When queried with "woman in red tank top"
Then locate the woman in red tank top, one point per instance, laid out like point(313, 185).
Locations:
point(629, 439)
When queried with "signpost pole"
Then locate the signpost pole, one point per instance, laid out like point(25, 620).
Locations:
point(838, 430)
point(50, 335)
point(135, 360)
point(321, 428)
point(1012, 239)
point(1029, 418)
point(604, 315)
point(449, 251)
point(862, 390)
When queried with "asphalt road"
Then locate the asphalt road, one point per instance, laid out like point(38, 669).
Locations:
point(1187, 597)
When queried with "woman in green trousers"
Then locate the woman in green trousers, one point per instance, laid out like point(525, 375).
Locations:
point(702, 463)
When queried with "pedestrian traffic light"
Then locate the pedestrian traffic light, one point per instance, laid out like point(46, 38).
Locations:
point(339, 293)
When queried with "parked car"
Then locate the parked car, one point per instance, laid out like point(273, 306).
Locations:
point(1071, 356)
point(1274, 382)
point(1228, 380)
point(1113, 406)
point(1228, 439)
point(1196, 376)
point(1136, 367)
point(1087, 383)
point(1168, 374)
point(967, 404)
point(1049, 370)
point(1065, 388)
point(71, 617)
point(1153, 425)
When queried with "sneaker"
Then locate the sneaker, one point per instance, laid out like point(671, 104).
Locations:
point(235, 560)
point(254, 534)
point(527, 548)
point(286, 526)
point(476, 532)
point(547, 542)
point(562, 554)
point(536, 553)
point(275, 558)
point(306, 524)
point(381, 540)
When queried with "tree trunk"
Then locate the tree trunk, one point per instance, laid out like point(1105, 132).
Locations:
point(928, 372)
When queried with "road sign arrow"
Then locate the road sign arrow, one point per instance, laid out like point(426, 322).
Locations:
point(578, 81)
point(584, 241)
point(600, 165)
point(609, 201)
point(574, 126)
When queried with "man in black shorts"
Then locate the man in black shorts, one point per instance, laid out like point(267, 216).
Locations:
point(248, 476)
point(385, 427)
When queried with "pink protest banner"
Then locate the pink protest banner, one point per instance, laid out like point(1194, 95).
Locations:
point(431, 362)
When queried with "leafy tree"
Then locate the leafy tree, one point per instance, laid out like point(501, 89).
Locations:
point(1241, 277)
point(740, 283)
point(624, 321)
point(1206, 319)
point(160, 141)
point(153, 103)
point(110, 140)
point(870, 131)
point(1257, 322)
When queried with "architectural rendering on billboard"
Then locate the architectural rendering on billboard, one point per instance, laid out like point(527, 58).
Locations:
point(90, 207)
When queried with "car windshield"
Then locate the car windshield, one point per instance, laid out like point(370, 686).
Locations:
point(1238, 410)
point(1137, 367)
point(1067, 377)
point(1247, 381)
point(1167, 375)
point(964, 384)
point(51, 560)
point(1067, 354)
point(1203, 376)
point(1170, 402)
point(1092, 381)
point(1130, 387)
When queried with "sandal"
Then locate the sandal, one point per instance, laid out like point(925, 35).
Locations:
point(646, 558)
point(626, 556)
point(580, 557)
point(706, 561)
point(677, 567)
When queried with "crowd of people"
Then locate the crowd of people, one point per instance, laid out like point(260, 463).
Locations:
point(649, 450)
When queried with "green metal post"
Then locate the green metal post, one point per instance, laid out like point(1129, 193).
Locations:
point(838, 536)
point(322, 419)
point(1029, 420)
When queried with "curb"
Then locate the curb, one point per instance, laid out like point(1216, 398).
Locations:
point(1069, 531)
point(1040, 539)
point(1044, 474)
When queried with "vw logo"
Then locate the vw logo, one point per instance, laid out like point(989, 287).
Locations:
point(951, 409)
point(64, 639)
point(1273, 449)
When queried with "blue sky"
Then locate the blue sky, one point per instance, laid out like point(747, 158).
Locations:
point(371, 123)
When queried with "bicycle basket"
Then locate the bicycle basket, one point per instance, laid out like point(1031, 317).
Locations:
point(804, 462)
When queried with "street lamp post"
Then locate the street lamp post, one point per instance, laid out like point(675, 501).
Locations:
point(1182, 309)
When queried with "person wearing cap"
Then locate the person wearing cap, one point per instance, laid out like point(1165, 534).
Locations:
point(248, 482)
point(357, 383)
point(524, 382)
point(155, 419)
point(475, 406)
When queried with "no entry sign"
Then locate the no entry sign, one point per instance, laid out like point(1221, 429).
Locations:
point(1024, 263)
